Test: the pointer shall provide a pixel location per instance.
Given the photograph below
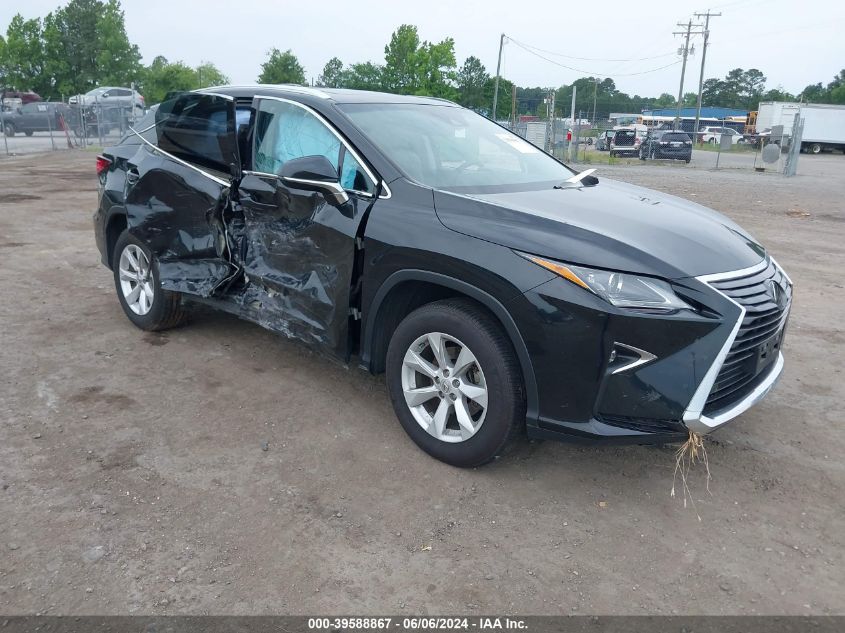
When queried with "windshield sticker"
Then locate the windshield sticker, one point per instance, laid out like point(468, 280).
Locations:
point(518, 144)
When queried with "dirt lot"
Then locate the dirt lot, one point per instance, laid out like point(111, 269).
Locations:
point(134, 478)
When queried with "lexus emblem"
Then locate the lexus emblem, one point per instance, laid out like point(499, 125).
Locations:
point(776, 292)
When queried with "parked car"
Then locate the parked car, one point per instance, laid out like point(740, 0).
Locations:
point(111, 98)
point(672, 144)
point(625, 142)
point(497, 288)
point(603, 140)
point(20, 97)
point(713, 135)
point(40, 116)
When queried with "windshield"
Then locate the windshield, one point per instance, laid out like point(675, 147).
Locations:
point(445, 147)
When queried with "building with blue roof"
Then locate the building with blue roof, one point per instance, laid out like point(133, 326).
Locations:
point(710, 115)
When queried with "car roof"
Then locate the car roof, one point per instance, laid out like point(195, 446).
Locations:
point(336, 95)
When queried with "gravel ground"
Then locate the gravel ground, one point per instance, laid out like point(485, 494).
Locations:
point(218, 468)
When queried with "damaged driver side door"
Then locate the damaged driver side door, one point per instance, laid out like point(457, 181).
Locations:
point(304, 204)
point(178, 189)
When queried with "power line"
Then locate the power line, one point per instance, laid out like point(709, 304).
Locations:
point(590, 72)
point(590, 59)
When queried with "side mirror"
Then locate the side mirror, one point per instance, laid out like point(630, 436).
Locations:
point(106, 95)
point(314, 173)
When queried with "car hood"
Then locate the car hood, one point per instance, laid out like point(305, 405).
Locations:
point(610, 225)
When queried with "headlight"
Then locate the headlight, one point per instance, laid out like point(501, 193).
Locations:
point(623, 290)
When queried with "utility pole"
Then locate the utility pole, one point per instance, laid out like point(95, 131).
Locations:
point(595, 91)
point(706, 17)
point(686, 33)
point(513, 106)
point(498, 71)
point(573, 155)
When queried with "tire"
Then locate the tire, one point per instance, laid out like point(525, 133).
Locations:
point(9, 129)
point(28, 132)
point(712, 141)
point(815, 148)
point(494, 370)
point(613, 154)
point(687, 160)
point(164, 310)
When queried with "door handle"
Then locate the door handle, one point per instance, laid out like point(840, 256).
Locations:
point(132, 176)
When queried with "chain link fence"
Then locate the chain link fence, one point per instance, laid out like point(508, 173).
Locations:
point(726, 143)
point(55, 126)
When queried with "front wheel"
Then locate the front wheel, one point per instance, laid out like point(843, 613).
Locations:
point(455, 383)
point(9, 129)
point(139, 290)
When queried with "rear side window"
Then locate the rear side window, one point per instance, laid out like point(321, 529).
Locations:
point(199, 128)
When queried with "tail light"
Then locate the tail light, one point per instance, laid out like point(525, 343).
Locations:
point(103, 164)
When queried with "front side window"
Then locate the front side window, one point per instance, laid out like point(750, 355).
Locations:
point(446, 147)
point(284, 131)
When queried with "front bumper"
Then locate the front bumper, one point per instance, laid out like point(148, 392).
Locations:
point(576, 341)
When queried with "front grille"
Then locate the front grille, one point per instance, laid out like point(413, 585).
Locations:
point(757, 344)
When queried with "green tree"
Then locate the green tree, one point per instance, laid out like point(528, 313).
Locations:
point(776, 94)
point(118, 60)
point(419, 68)
point(24, 58)
point(471, 79)
point(86, 45)
point(332, 75)
point(281, 68)
point(2, 61)
point(815, 93)
point(162, 76)
point(401, 61)
point(437, 69)
point(209, 75)
point(364, 76)
point(503, 106)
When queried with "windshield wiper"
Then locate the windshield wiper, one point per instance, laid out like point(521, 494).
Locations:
point(575, 181)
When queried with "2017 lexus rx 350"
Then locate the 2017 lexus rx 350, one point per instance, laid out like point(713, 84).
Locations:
point(498, 289)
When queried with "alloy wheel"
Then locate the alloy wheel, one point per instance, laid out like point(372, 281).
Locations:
point(136, 279)
point(444, 387)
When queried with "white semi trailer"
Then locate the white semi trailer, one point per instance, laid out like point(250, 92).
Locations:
point(824, 125)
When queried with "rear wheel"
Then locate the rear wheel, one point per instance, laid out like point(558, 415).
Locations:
point(28, 132)
point(9, 129)
point(455, 383)
point(815, 148)
point(138, 287)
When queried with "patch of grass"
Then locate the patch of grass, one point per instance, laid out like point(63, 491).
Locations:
point(745, 148)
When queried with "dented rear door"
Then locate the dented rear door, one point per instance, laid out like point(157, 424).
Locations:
point(178, 188)
point(301, 249)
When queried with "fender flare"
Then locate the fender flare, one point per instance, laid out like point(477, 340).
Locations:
point(484, 298)
point(114, 210)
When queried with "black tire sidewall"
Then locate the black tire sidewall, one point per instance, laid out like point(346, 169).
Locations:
point(503, 402)
point(158, 313)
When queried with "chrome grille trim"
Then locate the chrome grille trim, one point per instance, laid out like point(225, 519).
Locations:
point(694, 416)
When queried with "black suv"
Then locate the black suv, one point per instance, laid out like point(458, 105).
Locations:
point(497, 288)
point(671, 144)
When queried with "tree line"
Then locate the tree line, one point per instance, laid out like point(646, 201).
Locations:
point(84, 44)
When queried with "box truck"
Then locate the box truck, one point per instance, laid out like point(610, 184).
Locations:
point(824, 125)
